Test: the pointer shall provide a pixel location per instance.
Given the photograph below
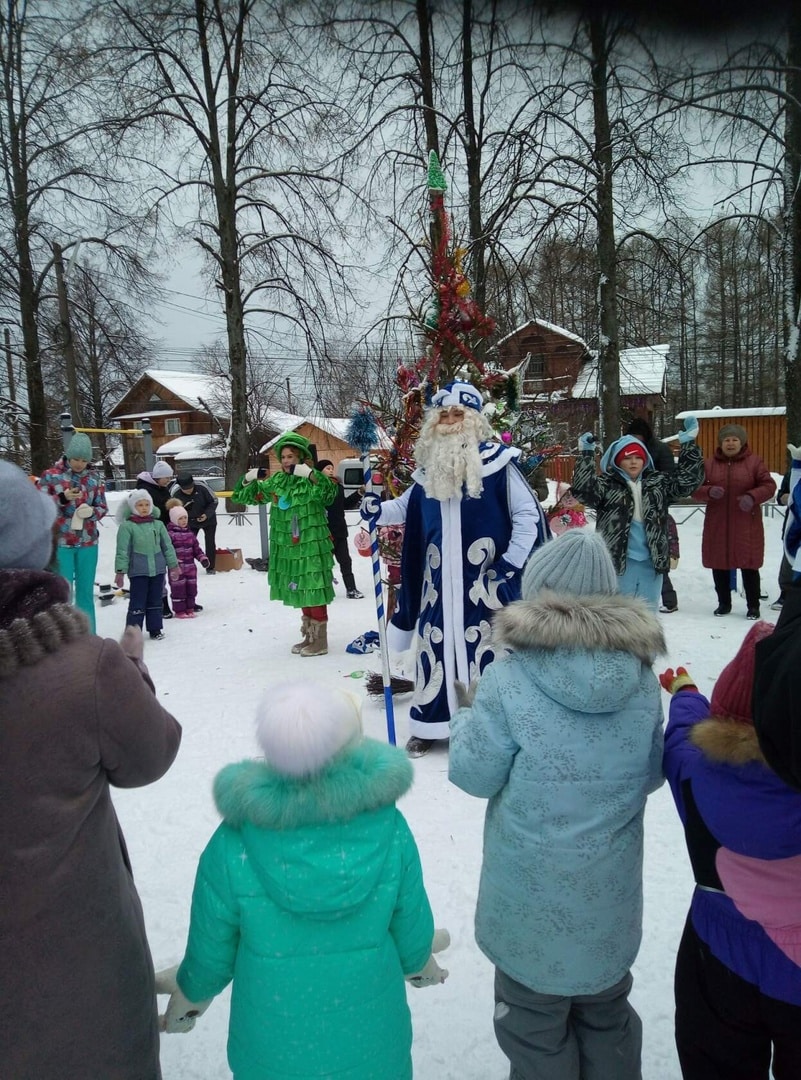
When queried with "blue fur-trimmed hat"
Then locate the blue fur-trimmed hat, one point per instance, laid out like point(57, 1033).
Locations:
point(458, 393)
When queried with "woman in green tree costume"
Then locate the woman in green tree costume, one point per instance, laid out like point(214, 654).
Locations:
point(301, 549)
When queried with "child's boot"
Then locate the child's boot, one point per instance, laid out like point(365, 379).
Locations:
point(299, 646)
point(318, 639)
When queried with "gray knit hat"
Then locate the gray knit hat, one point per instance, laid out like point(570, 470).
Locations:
point(578, 562)
point(26, 521)
point(733, 430)
point(79, 446)
point(161, 470)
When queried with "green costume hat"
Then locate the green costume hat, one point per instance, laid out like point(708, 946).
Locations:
point(79, 446)
point(296, 442)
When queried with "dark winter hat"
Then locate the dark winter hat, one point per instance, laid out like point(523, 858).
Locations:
point(578, 562)
point(26, 521)
point(296, 442)
point(323, 463)
point(735, 686)
point(79, 447)
point(301, 726)
point(777, 692)
point(735, 430)
point(641, 428)
point(161, 470)
point(185, 480)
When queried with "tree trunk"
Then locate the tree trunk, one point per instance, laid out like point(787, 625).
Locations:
point(426, 31)
point(473, 161)
point(792, 229)
point(609, 358)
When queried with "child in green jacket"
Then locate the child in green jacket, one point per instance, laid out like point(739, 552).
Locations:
point(310, 897)
point(144, 551)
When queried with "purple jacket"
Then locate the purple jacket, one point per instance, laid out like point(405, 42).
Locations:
point(742, 826)
point(187, 549)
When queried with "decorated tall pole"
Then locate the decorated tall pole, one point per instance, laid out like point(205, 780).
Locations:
point(362, 435)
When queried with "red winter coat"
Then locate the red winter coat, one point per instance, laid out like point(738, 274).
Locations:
point(734, 539)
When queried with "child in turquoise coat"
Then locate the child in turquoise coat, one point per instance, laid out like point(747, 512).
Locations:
point(144, 553)
point(310, 897)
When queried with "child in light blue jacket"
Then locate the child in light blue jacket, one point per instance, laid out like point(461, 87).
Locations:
point(564, 738)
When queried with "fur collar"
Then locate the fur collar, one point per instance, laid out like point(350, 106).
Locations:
point(35, 620)
point(727, 741)
point(562, 621)
point(363, 777)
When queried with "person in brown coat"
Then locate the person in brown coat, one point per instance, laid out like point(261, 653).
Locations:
point(736, 483)
point(78, 715)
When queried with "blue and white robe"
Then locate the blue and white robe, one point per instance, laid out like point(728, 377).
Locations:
point(448, 592)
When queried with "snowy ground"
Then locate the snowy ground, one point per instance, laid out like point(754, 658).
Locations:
point(210, 672)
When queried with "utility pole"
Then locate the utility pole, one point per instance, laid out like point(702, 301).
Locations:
point(288, 396)
point(67, 343)
point(12, 393)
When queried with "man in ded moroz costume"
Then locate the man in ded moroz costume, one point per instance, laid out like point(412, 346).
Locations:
point(471, 522)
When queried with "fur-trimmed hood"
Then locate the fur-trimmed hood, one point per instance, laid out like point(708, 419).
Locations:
point(727, 741)
point(589, 654)
point(35, 618)
point(562, 621)
point(293, 830)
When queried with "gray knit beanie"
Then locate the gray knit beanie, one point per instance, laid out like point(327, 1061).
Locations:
point(26, 521)
point(578, 562)
point(79, 446)
point(161, 470)
point(734, 430)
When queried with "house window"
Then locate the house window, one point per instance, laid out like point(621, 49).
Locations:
point(172, 427)
point(536, 366)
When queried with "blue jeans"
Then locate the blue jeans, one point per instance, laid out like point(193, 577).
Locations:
point(145, 603)
point(640, 579)
point(78, 565)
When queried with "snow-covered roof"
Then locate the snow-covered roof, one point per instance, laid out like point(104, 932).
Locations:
point(151, 412)
point(192, 445)
point(546, 326)
point(331, 425)
point(189, 386)
point(719, 410)
point(642, 371)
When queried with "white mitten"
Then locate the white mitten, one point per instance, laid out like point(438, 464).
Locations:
point(84, 510)
point(181, 1013)
point(76, 522)
point(251, 475)
point(795, 452)
point(302, 470)
point(432, 974)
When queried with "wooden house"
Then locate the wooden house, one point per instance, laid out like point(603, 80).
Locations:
point(560, 374)
point(766, 429)
point(178, 403)
point(326, 434)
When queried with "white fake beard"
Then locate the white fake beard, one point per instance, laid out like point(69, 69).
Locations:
point(449, 457)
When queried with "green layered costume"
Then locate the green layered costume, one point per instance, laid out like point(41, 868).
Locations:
point(301, 549)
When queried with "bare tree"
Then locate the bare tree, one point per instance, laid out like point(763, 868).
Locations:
point(241, 109)
point(61, 175)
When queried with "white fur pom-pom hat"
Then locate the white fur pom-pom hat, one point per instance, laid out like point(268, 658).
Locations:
point(301, 726)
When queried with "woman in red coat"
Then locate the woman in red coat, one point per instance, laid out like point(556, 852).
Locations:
point(736, 483)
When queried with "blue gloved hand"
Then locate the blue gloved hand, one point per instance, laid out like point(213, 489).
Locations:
point(587, 442)
point(690, 430)
point(370, 508)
